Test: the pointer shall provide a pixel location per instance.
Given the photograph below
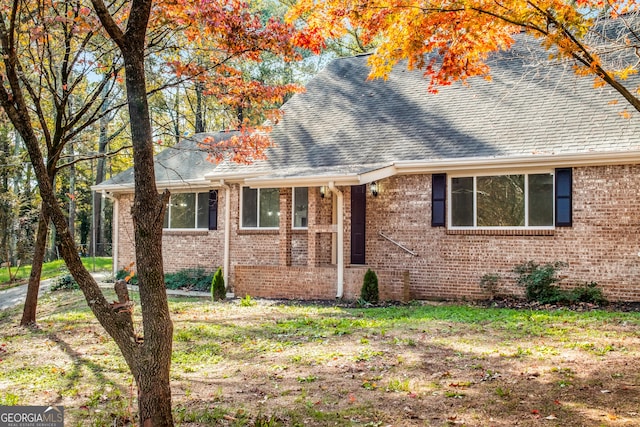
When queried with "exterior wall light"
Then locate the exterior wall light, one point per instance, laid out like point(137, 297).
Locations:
point(374, 189)
point(323, 191)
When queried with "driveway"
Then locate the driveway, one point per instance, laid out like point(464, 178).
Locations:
point(16, 295)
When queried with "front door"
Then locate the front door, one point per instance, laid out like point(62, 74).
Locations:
point(358, 223)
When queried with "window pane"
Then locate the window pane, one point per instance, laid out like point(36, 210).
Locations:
point(183, 213)
point(541, 199)
point(269, 207)
point(500, 201)
point(462, 202)
point(249, 207)
point(300, 206)
point(203, 210)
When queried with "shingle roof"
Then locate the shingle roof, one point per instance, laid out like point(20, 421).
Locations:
point(185, 163)
point(530, 107)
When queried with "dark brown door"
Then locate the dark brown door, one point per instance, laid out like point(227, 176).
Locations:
point(358, 223)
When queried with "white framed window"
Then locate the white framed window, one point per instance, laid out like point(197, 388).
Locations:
point(300, 205)
point(505, 201)
point(260, 208)
point(187, 211)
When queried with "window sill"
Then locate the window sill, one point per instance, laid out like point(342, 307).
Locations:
point(249, 231)
point(185, 232)
point(502, 232)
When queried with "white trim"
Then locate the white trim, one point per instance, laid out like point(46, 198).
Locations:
point(257, 227)
point(195, 228)
point(232, 177)
point(340, 245)
point(549, 161)
point(115, 229)
point(484, 173)
point(318, 180)
point(186, 185)
point(227, 232)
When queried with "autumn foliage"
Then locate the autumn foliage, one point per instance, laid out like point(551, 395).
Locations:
point(451, 39)
point(222, 37)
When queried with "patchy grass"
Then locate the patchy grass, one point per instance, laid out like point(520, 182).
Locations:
point(269, 364)
point(52, 269)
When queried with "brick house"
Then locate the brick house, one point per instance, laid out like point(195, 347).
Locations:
point(429, 191)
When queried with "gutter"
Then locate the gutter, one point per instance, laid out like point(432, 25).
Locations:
point(340, 244)
point(227, 231)
point(115, 226)
point(546, 160)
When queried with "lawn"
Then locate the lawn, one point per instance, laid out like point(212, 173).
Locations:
point(53, 269)
point(264, 363)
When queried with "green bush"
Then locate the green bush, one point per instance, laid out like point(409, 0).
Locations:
point(64, 283)
point(369, 291)
point(540, 281)
point(191, 279)
point(589, 292)
point(218, 290)
point(540, 284)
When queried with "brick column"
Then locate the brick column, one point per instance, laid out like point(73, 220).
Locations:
point(285, 226)
point(313, 220)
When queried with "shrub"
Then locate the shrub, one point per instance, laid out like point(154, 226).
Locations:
point(490, 283)
point(195, 279)
point(540, 281)
point(589, 292)
point(369, 291)
point(64, 283)
point(218, 290)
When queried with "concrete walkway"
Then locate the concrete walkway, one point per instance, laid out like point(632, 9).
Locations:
point(16, 295)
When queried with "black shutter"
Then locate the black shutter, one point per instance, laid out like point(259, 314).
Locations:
point(213, 209)
point(564, 185)
point(358, 223)
point(438, 199)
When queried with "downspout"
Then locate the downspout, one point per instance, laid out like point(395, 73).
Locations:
point(340, 231)
point(227, 230)
point(115, 231)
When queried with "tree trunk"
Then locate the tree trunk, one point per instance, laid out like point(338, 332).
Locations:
point(72, 193)
point(150, 361)
point(97, 233)
point(175, 116)
point(200, 124)
point(31, 301)
point(152, 376)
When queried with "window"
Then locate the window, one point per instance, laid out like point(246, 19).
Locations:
point(300, 207)
point(260, 207)
point(188, 211)
point(506, 201)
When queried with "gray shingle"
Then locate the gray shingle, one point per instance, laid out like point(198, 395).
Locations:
point(530, 106)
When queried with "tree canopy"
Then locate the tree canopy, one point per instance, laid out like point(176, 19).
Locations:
point(451, 40)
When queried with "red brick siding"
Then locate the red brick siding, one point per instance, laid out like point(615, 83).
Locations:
point(602, 245)
point(286, 282)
